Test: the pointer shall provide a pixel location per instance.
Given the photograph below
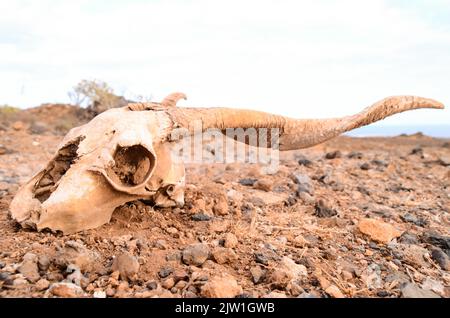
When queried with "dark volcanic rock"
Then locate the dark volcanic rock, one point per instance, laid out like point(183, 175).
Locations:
point(363, 190)
point(408, 238)
point(441, 258)
point(303, 161)
point(408, 217)
point(261, 258)
point(152, 285)
point(355, 155)
point(417, 151)
point(323, 210)
point(333, 155)
point(4, 276)
point(248, 182)
point(396, 188)
point(380, 163)
point(165, 271)
point(438, 240)
point(383, 293)
point(291, 200)
point(201, 217)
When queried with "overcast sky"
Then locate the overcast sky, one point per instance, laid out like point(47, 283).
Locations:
point(298, 58)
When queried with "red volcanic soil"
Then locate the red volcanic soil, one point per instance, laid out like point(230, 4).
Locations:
point(354, 217)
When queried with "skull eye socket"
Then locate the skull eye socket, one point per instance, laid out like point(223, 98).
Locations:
point(170, 189)
point(133, 166)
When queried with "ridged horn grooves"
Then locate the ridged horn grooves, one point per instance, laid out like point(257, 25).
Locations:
point(297, 133)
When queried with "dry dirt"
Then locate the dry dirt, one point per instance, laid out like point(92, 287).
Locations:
point(302, 232)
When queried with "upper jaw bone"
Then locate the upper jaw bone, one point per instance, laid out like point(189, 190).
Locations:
point(83, 200)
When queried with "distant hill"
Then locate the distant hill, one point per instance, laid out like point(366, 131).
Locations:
point(46, 118)
point(439, 131)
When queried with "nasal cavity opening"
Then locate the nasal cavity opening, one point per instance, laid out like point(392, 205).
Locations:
point(133, 165)
point(56, 169)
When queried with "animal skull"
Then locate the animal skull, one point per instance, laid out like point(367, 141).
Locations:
point(124, 154)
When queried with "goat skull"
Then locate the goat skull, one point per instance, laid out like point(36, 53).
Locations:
point(124, 154)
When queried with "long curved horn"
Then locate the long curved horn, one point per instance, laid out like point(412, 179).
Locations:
point(172, 99)
point(297, 133)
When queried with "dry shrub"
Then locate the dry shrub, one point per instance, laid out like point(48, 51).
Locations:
point(97, 95)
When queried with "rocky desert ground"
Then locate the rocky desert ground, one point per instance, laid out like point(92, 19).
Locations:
point(354, 217)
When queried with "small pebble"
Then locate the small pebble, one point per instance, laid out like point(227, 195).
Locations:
point(247, 182)
point(200, 217)
point(195, 254)
point(152, 285)
point(42, 284)
point(333, 155)
point(261, 258)
point(165, 271)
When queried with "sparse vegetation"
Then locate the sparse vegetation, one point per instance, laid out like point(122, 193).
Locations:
point(7, 109)
point(8, 114)
point(96, 95)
